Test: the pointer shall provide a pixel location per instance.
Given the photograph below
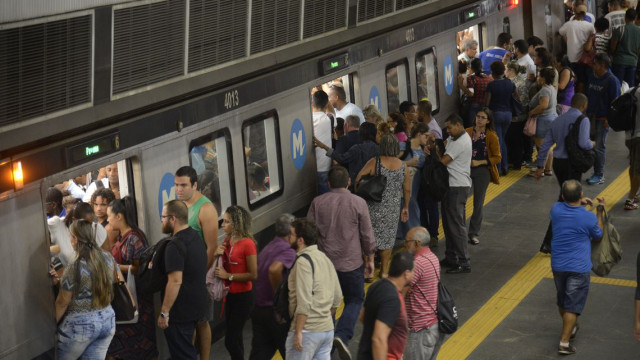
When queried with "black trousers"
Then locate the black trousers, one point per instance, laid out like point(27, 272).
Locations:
point(268, 335)
point(238, 309)
point(563, 171)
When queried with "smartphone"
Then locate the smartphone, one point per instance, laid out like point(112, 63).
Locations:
point(56, 263)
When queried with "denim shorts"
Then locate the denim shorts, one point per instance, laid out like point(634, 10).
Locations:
point(86, 335)
point(543, 123)
point(572, 289)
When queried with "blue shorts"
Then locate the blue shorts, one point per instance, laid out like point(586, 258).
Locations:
point(572, 290)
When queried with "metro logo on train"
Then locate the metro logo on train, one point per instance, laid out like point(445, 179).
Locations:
point(167, 191)
point(448, 75)
point(374, 98)
point(298, 144)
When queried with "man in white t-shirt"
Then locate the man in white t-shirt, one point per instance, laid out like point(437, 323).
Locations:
point(457, 158)
point(321, 131)
point(521, 49)
point(338, 99)
point(575, 33)
point(468, 50)
point(615, 15)
point(110, 182)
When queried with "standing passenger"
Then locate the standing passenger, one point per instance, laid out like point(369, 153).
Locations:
point(240, 268)
point(338, 99)
point(457, 158)
point(632, 141)
point(517, 142)
point(575, 33)
point(624, 45)
point(543, 106)
point(131, 341)
point(384, 214)
point(322, 132)
point(111, 181)
point(314, 296)
point(468, 50)
point(275, 259)
point(184, 297)
point(475, 88)
point(524, 59)
point(500, 52)
point(203, 218)
point(424, 116)
point(100, 200)
point(345, 235)
point(498, 99)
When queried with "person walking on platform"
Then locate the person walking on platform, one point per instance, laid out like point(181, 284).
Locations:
point(457, 158)
point(632, 141)
point(602, 88)
point(624, 47)
point(556, 135)
point(574, 227)
point(345, 234)
point(575, 34)
point(425, 337)
point(203, 218)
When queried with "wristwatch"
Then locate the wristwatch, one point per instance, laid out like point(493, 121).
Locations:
point(164, 316)
point(230, 277)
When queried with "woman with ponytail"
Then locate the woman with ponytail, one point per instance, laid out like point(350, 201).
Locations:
point(132, 341)
point(85, 298)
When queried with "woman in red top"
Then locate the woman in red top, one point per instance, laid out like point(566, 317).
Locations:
point(240, 268)
point(131, 341)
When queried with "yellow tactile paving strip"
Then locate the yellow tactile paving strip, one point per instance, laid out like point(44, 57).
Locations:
point(473, 332)
point(607, 281)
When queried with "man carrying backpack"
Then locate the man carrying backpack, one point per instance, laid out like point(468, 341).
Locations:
point(632, 140)
point(557, 134)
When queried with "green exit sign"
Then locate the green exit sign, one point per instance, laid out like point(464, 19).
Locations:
point(471, 15)
point(334, 64)
point(91, 150)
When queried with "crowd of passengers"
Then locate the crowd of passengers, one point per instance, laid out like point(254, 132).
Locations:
point(95, 237)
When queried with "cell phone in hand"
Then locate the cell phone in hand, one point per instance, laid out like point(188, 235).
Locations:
point(56, 263)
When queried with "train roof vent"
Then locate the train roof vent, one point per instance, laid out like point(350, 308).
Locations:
point(369, 9)
point(321, 16)
point(274, 23)
point(403, 4)
point(217, 32)
point(45, 67)
point(148, 44)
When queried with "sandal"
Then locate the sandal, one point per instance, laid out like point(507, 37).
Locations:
point(533, 174)
point(548, 173)
point(474, 241)
point(630, 204)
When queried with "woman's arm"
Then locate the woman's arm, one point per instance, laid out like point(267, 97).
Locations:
point(563, 81)
point(543, 104)
point(368, 169)
point(251, 275)
point(62, 303)
point(464, 87)
point(493, 145)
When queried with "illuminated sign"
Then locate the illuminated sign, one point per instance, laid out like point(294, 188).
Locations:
point(470, 14)
point(93, 148)
point(334, 63)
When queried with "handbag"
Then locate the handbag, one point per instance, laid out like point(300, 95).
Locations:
point(530, 126)
point(587, 56)
point(606, 252)
point(215, 286)
point(123, 303)
point(517, 108)
point(371, 187)
point(446, 311)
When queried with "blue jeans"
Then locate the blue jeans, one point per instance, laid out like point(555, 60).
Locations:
point(86, 335)
point(572, 290)
point(625, 73)
point(424, 344)
point(315, 346)
point(352, 285)
point(179, 336)
point(600, 149)
point(502, 120)
point(323, 182)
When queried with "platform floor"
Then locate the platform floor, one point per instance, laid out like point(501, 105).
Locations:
point(507, 303)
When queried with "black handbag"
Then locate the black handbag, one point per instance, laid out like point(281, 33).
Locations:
point(371, 187)
point(517, 108)
point(122, 302)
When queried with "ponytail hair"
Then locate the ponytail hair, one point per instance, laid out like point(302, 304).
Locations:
point(127, 207)
point(80, 211)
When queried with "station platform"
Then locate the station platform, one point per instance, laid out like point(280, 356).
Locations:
point(507, 304)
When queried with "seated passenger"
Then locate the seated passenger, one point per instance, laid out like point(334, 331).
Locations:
point(112, 181)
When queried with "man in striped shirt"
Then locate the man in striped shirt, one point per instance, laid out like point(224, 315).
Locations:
point(425, 337)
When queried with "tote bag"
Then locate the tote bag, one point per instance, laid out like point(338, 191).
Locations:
point(215, 286)
point(607, 252)
point(123, 303)
point(530, 126)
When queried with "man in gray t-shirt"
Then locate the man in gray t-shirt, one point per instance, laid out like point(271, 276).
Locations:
point(457, 158)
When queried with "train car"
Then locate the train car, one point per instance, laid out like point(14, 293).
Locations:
point(222, 85)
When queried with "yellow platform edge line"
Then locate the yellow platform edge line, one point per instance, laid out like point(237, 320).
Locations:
point(607, 281)
point(475, 330)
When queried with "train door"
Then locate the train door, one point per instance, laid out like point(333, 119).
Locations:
point(427, 77)
point(346, 83)
point(398, 86)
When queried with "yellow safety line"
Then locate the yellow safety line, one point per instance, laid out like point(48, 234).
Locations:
point(475, 330)
point(607, 281)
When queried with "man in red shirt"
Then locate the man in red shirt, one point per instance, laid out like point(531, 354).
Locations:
point(425, 337)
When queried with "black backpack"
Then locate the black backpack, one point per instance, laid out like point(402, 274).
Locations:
point(281, 295)
point(581, 160)
point(435, 177)
point(446, 311)
point(151, 276)
point(622, 112)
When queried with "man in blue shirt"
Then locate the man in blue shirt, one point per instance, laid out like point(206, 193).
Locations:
point(602, 88)
point(500, 52)
point(573, 230)
point(557, 133)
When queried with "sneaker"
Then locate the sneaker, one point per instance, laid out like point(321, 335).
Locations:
point(595, 179)
point(566, 350)
point(574, 331)
point(343, 351)
point(459, 270)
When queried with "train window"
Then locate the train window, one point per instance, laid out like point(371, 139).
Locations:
point(427, 77)
point(506, 25)
point(263, 169)
point(398, 88)
point(210, 156)
point(472, 32)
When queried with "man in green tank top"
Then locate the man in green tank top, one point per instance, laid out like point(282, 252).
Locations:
point(203, 217)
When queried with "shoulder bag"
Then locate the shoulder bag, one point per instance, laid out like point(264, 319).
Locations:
point(123, 303)
point(215, 286)
point(371, 187)
point(530, 126)
point(446, 309)
point(607, 252)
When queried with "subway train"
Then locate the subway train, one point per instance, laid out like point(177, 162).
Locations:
point(222, 85)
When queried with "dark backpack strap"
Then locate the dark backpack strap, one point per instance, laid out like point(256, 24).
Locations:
point(99, 184)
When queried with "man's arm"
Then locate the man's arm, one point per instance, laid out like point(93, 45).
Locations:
point(208, 219)
point(275, 274)
point(174, 281)
point(379, 340)
point(446, 159)
point(297, 339)
point(367, 238)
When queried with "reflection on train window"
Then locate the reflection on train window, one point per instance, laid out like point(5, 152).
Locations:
point(97, 187)
point(427, 77)
point(210, 156)
point(472, 32)
point(397, 78)
point(506, 25)
point(262, 162)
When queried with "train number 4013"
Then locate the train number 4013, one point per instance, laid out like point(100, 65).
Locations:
point(231, 99)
